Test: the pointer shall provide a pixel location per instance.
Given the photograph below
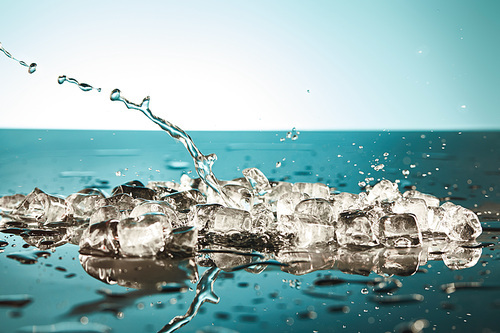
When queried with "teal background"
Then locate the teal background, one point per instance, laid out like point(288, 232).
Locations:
point(248, 65)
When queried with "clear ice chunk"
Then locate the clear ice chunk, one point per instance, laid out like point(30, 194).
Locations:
point(315, 211)
point(229, 220)
point(80, 205)
point(203, 216)
point(122, 201)
point(355, 228)
point(10, 202)
point(258, 180)
point(136, 191)
point(459, 223)
point(416, 207)
point(342, 202)
point(182, 241)
point(276, 191)
point(313, 190)
point(287, 202)
point(100, 238)
point(41, 207)
point(104, 213)
point(309, 234)
point(184, 200)
point(239, 195)
point(142, 236)
point(385, 190)
point(430, 200)
point(263, 219)
point(399, 230)
point(157, 207)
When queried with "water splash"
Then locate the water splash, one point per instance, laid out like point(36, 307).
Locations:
point(202, 163)
point(204, 293)
point(83, 86)
point(31, 67)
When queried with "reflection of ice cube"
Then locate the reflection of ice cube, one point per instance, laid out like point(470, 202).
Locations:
point(313, 190)
point(355, 228)
point(416, 207)
point(402, 262)
point(184, 200)
point(430, 200)
point(356, 261)
point(399, 230)
point(385, 190)
point(258, 180)
point(303, 262)
point(100, 238)
point(142, 236)
point(232, 220)
point(459, 223)
point(104, 213)
point(239, 195)
point(457, 257)
point(41, 207)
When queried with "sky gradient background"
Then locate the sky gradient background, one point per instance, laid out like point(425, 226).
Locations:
point(254, 65)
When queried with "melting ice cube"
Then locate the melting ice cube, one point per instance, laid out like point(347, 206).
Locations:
point(399, 230)
point(355, 228)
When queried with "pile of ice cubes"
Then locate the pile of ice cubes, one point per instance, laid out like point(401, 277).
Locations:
point(167, 217)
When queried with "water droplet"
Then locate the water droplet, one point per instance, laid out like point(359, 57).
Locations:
point(32, 68)
point(278, 164)
point(115, 95)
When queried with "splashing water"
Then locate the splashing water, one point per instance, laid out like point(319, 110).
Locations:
point(31, 67)
point(83, 86)
point(204, 293)
point(203, 163)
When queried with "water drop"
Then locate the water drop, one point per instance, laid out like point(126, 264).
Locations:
point(32, 68)
point(61, 79)
point(83, 86)
point(278, 164)
point(115, 95)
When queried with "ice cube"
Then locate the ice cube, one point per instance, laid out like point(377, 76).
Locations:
point(241, 197)
point(430, 200)
point(313, 190)
point(135, 191)
point(163, 188)
point(287, 202)
point(157, 207)
point(81, 206)
point(104, 213)
point(459, 223)
point(263, 219)
point(229, 220)
point(100, 238)
point(10, 202)
point(258, 180)
point(416, 207)
point(342, 202)
point(310, 234)
point(182, 241)
point(184, 200)
point(142, 236)
point(385, 190)
point(399, 230)
point(203, 216)
point(41, 207)
point(277, 190)
point(355, 228)
point(122, 201)
point(315, 211)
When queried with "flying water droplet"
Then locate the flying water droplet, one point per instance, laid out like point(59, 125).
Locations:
point(31, 67)
point(83, 86)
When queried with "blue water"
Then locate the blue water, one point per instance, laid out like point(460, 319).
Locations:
point(460, 166)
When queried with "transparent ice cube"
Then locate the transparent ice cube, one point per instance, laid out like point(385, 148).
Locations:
point(416, 207)
point(203, 216)
point(355, 228)
point(342, 202)
point(229, 220)
point(399, 230)
point(258, 180)
point(430, 200)
point(157, 207)
point(313, 190)
point(100, 238)
point(142, 236)
point(263, 219)
point(184, 200)
point(385, 190)
point(240, 196)
point(459, 223)
point(309, 234)
point(182, 241)
point(287, 202)
point(10, 202)
point(122, 201)
point(104, 213)
point(41, 207)
point(276, 191)
point(81, 206)
point(315, 211)
point(136, 191)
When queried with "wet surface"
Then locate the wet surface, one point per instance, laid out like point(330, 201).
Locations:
point(46, 281)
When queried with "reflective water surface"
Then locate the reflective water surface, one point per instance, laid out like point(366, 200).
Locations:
point(48, 286)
